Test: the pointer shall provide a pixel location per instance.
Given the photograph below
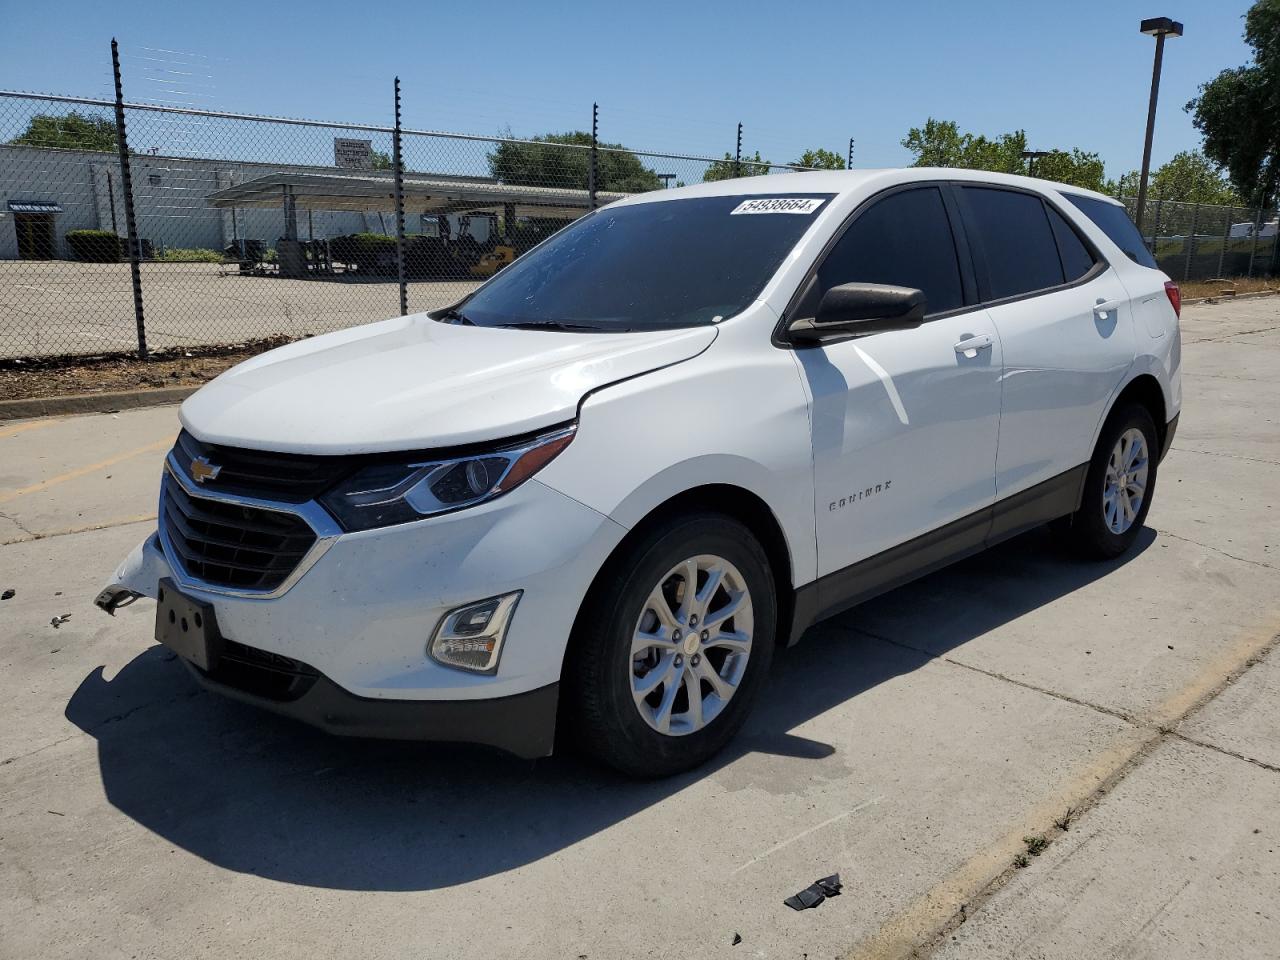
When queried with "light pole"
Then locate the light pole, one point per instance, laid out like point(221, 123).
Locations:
point(1158, 27)
point(1031, 156)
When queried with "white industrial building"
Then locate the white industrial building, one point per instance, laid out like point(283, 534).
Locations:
point(46, 192)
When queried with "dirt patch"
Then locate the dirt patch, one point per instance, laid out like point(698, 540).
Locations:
point(69, 376)
point(1197, 289)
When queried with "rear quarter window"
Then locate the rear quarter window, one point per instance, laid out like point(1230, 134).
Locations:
point(1076, 258)
point(1112, 220)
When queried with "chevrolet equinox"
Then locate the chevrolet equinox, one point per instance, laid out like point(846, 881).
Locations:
point(598, 491)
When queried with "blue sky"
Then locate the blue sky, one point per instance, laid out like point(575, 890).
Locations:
point(674, 76)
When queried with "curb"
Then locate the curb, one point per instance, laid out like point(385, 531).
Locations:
point(1239, 296)
point(92, 403)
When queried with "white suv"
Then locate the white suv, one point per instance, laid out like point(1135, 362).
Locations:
point(599, 491)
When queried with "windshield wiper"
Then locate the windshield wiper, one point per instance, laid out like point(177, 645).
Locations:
point(557, 325)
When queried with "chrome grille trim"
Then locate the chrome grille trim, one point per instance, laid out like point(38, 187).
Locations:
point(326, 529)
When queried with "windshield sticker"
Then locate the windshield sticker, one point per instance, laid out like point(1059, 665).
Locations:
point(801, 205)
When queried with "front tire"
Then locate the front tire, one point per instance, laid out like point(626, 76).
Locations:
point(1118, 488)
point(673, 646)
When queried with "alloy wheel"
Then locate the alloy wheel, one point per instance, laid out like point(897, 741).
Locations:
point(691, 644)
point(1125, 484)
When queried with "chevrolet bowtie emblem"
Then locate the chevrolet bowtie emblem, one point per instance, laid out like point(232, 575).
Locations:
point(202, 470)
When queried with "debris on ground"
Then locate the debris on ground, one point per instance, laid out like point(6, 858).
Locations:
point(737, 939)
point(815, 893)
point(7, 595)
point(60, 620)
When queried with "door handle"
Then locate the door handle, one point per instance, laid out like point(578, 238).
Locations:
point(970, 346)
point(1103, 308)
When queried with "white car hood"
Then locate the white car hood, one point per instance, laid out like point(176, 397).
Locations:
point(414, 383)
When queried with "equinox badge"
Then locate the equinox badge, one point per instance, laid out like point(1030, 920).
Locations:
point(202, 470)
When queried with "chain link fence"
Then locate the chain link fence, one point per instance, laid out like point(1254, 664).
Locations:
point(249, 228)
point(1200, 241)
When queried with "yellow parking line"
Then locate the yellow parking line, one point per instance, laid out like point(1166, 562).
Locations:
point(8, 495)
point(24, 427)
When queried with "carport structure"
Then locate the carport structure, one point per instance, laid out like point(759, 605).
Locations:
point(422, 194)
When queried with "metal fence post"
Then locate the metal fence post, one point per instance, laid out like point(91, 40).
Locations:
point(849, 165)
point(593, 169)
point(1155, 230)
point(397, 161)
point(1191, 243)
point(1226, 235)
point(1253, 251)
point(126, 183)
point(737, 156)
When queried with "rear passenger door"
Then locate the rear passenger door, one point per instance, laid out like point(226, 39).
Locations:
point(904, 422)
point(1065, 325)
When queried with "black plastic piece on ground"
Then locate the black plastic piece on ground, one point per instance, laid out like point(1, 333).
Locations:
point(815, 893)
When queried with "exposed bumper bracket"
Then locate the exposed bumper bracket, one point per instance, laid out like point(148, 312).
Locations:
point(113, 598)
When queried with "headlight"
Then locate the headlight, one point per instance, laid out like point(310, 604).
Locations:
point(388, 493)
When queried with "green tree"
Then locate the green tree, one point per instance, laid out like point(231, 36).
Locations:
point(1074, 167)
point(70, 131)
point(728, 168)
point(552, 160)
point(1238, 111)
point(820, 159)
point(381, 160)
point(939, 143)
point(1125, 186)
point(1191, 177)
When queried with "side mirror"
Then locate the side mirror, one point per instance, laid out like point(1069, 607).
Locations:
point(856, 309)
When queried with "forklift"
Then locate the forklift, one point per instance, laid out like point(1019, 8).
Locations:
point(474, 252)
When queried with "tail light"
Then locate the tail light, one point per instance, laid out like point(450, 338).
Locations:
point(1175, 297)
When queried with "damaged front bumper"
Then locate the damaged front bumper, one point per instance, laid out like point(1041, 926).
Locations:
point(345, 648)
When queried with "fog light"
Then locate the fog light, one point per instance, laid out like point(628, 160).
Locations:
point(470, 637)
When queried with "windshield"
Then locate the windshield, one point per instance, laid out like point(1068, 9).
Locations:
point(648, 266)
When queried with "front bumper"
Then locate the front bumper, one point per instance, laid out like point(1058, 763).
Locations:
point(359, 620)
point(522, 724)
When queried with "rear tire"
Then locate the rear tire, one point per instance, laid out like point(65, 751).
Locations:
point(1118, 487)
point(644, 648)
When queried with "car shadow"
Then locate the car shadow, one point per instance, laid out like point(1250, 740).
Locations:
point(259, 794)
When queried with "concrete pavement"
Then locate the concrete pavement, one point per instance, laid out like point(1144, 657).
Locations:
point(57, 307)
point(910, 745)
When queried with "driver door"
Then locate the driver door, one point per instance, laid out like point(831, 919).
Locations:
point(905, 422)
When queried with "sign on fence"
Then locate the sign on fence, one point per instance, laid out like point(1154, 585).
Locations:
point(351, 154)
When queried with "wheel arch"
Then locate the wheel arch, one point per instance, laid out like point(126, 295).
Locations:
point(1144, 389)
point(728, 500)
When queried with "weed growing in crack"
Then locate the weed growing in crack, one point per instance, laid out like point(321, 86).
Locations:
point(1035, 845)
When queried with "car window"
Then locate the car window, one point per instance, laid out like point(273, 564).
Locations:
point(1076, 258)
point(1014, 232)
point(648, 266)
point(1112, 220)
point(904, 239)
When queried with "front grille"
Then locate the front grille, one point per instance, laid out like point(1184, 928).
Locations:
point(286, 477)
point(228, 545)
